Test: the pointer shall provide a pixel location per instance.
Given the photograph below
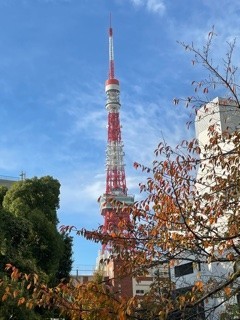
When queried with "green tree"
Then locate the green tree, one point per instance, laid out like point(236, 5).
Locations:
point(48, 246)
point(3, 191)
point(17, 237)
point(30, 241)
point(65, 264)
point(36, 193)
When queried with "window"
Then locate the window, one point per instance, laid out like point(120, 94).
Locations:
point(139, 292)
point(183, 269)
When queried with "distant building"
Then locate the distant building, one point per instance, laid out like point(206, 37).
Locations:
point(81, 278)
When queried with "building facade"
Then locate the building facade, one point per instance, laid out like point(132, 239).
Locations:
point(214, 124)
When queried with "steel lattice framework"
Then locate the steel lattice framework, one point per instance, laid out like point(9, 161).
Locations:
point(116, 188)
point(115, 179)
point(114, 201)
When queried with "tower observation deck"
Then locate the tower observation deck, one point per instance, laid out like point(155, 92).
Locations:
point(116, 188)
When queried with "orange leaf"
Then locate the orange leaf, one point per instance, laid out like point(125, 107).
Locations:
point(21, 301)
point(4, 297)
point(199, 285)
point(227, 291)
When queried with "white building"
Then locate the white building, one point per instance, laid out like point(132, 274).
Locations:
point(223, 116)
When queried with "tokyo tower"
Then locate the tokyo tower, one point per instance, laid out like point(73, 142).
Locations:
point(116, 189)
point(115, 168)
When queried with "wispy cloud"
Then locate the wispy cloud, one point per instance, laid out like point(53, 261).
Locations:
point(156, 6)
point(138, 2)
point(80, 191)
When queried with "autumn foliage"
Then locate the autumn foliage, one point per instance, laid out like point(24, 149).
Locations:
point(189, 214)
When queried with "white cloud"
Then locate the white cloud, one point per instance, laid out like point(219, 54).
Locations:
point(156, 6)
point(138, 2)
point(86, 184)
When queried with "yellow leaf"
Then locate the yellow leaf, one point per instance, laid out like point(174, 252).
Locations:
point(26, 277)
point(29, 305)
point(15, 293)
point(162, 315)
point(182, 300)
point(35, 278)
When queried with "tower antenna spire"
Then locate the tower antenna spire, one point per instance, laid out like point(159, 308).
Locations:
point(111, 55)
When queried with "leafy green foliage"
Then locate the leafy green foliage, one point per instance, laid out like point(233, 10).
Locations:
point(65, 264)
point(16, 242)
point(25, 196)
point(3, 191)
point(30, 241)
point(48, 246)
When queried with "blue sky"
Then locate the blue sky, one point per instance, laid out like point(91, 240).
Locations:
point(53, 66)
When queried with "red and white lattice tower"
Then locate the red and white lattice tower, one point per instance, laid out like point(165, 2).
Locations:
point(116, 188)
point(115, 180)
point(115, 168)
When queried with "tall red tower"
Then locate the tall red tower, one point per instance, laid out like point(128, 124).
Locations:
point(116, 188)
